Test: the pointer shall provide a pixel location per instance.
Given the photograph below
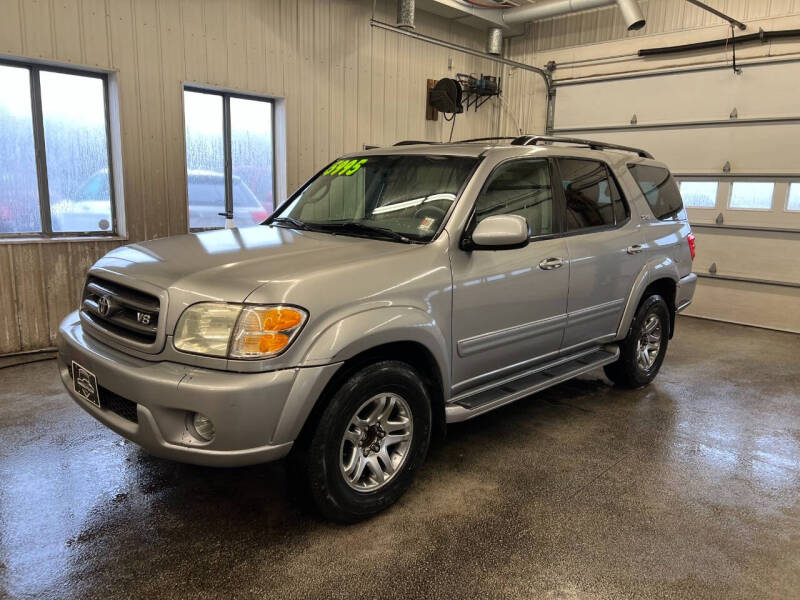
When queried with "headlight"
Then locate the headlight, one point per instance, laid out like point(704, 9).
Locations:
point(238, 330)
point(206, 328)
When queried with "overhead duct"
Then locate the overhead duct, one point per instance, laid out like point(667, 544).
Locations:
point(543, 9)
point(405, 14)
point(494, 41)
point(631, 13)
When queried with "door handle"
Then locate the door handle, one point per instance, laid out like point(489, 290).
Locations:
point(635, 249)
point(548, 264)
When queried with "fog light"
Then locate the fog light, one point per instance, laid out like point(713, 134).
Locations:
point(203, 427)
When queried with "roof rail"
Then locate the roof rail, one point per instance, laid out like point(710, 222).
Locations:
point(480, 139)
point(487, 139)
point(535, 140)
point(412, 142)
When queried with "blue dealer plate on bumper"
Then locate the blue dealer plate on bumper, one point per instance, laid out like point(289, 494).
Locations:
point(85, 384)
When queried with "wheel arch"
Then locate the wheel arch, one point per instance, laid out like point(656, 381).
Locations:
point(658, 276)
point(402, 333)
point(413, 353)
point(666, 288)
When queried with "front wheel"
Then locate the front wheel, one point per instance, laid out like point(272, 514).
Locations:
point(642, 351)
point(368, 443)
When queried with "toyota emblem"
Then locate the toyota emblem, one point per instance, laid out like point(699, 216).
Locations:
point(104, 305)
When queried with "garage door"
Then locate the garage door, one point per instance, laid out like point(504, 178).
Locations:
point(733, 141)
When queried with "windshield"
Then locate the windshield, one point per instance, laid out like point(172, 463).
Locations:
point(405, 195)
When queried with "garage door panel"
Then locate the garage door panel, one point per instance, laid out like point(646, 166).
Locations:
point(760, 91)
point(747, 303)
point(749, 254)
point(769, 149)
point(754, 149)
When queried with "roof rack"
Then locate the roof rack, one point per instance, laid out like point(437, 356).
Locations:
point(535, 140)
point(413, 143)
point(487, 139)
point(480, 139)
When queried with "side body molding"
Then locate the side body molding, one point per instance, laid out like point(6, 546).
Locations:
point(658, 268)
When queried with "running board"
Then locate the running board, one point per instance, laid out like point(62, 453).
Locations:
point(542, 378)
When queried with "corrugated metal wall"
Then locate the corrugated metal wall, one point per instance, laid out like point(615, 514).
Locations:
point(345, 84)
point(663, 16)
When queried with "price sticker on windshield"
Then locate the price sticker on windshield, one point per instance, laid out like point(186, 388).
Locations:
point(345, 167)
point(426, 224)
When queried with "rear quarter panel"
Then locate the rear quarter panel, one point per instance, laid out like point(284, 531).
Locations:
point(666, 249)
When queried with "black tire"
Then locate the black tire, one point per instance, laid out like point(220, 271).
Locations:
point(628, 372)
point(318, 456)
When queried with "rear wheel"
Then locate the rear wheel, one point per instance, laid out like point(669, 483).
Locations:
point(642, 351)
point(368, 443)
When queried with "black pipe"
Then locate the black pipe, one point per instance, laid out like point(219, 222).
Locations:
point(762, 36)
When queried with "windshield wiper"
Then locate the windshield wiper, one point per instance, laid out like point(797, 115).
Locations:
point(358, 227)
point(295, 223)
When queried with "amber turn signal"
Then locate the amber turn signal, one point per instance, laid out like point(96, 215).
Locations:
point(264, 331)
point(281, 318)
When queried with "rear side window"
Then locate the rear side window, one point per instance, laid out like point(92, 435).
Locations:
point(520, 187)
point(659, 189)
point(592, 196)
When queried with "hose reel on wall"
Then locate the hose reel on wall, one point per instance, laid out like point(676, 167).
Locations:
point(449, 96)
point(444, 97)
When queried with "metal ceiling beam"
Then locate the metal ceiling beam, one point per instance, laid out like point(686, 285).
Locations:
point(720, 14)
point(425, 38)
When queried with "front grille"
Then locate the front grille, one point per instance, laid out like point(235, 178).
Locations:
point(121, 310)
point(118, 405)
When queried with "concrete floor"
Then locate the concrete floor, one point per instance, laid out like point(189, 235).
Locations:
point(686, 489)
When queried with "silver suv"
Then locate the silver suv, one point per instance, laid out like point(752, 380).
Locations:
point(398, 290)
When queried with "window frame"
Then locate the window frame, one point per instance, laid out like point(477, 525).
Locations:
point(732, 183)
point(789, 183)
point(40, 151)
point(707, 179)
point(777, 218)
point(558, 206)
point(226, 96)
point(560, 192)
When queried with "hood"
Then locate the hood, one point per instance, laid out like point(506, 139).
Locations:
point(228, 264)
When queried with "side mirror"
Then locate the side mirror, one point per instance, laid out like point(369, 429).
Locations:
point(500, 232)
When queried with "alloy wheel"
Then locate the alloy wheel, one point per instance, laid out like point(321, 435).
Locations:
point(376, 442)
point(648, 344)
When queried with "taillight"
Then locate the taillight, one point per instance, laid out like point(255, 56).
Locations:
point(690, 239)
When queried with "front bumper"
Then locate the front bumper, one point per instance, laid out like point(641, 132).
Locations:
point(256, 415)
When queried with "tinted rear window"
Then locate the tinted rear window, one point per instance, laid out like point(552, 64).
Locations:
point(592, 196)
point(659, 189)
